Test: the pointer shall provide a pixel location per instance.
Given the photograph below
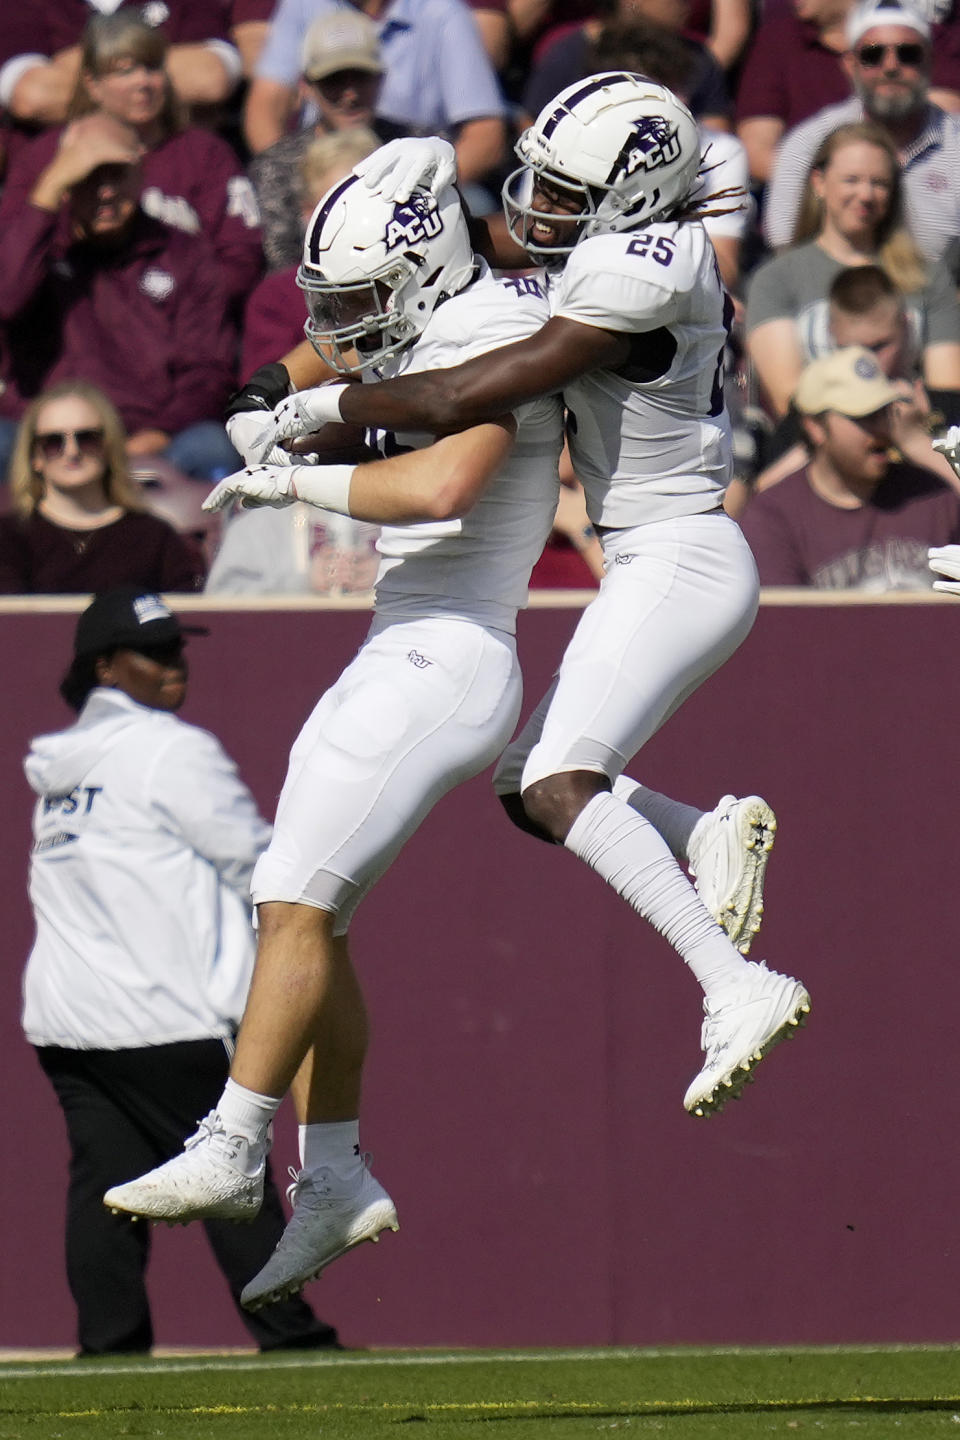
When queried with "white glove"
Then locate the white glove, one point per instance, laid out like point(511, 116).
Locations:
point(300, 414)
point(398, 167)
point(945, 559)
point(257, 485)
point(247, 431)
point(949, 445)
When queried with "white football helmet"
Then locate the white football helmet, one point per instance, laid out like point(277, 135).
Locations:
point(625, 147)
point(374, 270)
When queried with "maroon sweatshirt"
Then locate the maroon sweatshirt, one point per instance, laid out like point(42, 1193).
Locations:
point(145, 321)
point(193, 182)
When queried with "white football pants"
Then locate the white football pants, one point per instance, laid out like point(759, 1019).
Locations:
point(425, 705)
point(678, 598)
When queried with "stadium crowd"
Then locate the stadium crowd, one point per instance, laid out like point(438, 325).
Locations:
point(159, 163)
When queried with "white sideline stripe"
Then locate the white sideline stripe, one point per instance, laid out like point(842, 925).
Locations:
point(78, 1371)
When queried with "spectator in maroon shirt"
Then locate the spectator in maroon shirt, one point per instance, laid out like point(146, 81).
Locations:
point(92, 288)
point(793, 68)
point(192, 179)
point(851, 518)
point(78, 524)
point(212, 44)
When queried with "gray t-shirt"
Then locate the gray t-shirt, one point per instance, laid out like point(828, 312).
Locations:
point(795, 286)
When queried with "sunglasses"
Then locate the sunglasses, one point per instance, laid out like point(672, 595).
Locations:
point(871, 56)
point(52, 443)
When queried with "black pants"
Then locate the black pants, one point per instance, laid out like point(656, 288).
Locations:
point(126, 1112)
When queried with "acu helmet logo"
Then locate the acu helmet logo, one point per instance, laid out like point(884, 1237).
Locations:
point(651, 142)
point(416, 219)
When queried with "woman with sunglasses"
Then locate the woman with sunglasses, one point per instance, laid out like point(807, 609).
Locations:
point(78, 523)
point(851, 214)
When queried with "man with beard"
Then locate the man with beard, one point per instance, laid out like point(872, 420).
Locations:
point(889, 60)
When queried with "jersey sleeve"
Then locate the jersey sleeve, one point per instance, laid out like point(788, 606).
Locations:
point(512, 309)
point(630, 285)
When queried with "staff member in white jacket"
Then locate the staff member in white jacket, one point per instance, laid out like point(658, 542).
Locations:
point(144, 842)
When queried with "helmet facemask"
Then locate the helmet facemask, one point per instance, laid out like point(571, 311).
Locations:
point(374, 270)
point(626, 148)
point(357, 325)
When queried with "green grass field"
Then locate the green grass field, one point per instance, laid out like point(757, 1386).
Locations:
point(504, 1395)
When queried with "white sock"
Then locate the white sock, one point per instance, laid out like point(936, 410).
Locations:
point(332, 1146)
point(246, 1113)
point(672, 818)
point(631, 855)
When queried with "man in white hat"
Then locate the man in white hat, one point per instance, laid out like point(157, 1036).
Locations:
point(852, 517)
point(889, 61)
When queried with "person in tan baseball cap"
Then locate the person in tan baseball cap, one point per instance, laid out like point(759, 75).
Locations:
point(848, 381)
point(856, 515)
point(342, 68)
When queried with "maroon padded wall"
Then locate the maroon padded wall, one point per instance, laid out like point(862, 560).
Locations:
point(533, 1039)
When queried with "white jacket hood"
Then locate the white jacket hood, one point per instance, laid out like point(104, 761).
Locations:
point(59, 762)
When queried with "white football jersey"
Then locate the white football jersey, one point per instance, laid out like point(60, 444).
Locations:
point(652, 440)
point(477, 567)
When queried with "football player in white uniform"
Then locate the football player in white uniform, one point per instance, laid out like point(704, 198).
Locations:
point(430, 700)
point(606, 196)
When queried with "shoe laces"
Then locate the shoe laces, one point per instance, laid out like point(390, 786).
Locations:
point(211, 1132)
point(314, 1190)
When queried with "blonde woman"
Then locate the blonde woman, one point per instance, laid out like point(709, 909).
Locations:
point(192, 179)
point(78, 523)
point(851, 214)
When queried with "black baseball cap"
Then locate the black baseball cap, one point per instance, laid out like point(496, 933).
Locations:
point(128, 619)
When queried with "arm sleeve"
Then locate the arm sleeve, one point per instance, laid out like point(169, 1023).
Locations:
point(26, 241)
point(769, 536)
point(201, 797)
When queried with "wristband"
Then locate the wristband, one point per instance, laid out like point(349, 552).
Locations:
point(327, 486)
point(324, 403)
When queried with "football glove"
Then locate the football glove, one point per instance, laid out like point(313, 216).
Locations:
point(257, 485)
point(299, 414)
point(250, 410)
point(247, 430)
point(397, 168)
point(945, 559)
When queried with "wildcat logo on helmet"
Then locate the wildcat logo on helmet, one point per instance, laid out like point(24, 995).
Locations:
point(416, 219)
point(652, 142)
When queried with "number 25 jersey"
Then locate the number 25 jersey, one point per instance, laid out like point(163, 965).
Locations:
point(650, 440)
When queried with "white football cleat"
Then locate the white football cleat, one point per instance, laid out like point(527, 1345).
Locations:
point(741, 1025)
point(208, 1181)
point(328, 1219)
point(727, 855)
